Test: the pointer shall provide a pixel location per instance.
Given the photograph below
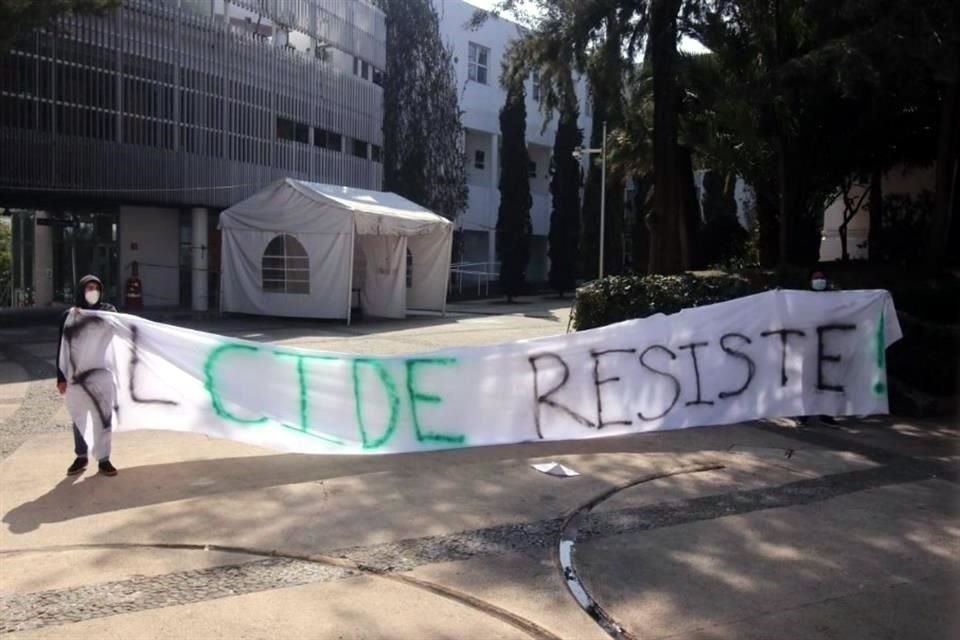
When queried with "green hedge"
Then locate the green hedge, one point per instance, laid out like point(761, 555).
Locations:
point(928, 356)
point(618, 298)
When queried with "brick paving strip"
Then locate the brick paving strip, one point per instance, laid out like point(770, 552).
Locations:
point(55, 607)
point(35, 413)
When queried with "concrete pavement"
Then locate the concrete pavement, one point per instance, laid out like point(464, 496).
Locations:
point(803, 533)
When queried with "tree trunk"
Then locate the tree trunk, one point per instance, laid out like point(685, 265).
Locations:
point(605, 84)
point(783, 219)
point(641, 234)
point(565, 191)
point(590, 218)
point(875, 235)
point(847, 217)
point(844, 254)
point(613, 227)
point(946, 176)
point(668, 247)
point(767, 227)
point(689, 217)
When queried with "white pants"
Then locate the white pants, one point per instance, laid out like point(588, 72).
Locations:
point(90, 402)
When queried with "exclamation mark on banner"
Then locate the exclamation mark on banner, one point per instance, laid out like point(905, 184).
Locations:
point(880, 386)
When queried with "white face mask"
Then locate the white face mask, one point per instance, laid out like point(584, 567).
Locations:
point(819, 284)
point(92, 296)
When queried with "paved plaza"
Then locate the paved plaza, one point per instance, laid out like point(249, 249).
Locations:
point(756, 530)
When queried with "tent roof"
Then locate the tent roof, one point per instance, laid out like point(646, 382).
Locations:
point(311, 207)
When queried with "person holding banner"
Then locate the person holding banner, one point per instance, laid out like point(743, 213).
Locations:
point(83, 379)
point(818, 282)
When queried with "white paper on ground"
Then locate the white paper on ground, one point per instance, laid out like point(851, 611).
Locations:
point(555, 469)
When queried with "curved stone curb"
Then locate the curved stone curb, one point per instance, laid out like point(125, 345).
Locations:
point(566, 548)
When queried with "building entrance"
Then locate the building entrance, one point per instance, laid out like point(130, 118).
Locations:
point(85, 242)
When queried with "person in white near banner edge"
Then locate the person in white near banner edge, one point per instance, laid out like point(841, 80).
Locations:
point(78, 389)
point(819, 282)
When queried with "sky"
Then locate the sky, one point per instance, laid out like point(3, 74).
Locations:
point(686, 44)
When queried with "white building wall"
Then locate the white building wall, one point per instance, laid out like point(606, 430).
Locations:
point(43, 265)
point(899, 180)
point(151, 236)
point(481, 104)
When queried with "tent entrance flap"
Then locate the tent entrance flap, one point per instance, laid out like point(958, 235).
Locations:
point(429, 263)
point(384, 290)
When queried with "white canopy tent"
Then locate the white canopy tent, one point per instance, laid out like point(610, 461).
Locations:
point(301, 249)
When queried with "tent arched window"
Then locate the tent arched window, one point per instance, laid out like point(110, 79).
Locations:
point(286, 266)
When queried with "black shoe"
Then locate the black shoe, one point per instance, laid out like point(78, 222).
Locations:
point(78, 466)
point(107, 469)
point(828, 420)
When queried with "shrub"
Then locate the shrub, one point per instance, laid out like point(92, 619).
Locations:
point(906, 224)
point(928, 296)
point(928, 357)
point(618, 298)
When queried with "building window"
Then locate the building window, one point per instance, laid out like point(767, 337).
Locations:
point(377, 77)
point(533, 169)
point(479, 61)
point(286, 266)
point(362, 68)
point(284, 129)
point(479, 159)
point(535, 85)
point(360, 149)
point(301, 133)
point(376, 153)
point(327, 139)
point(290, 130)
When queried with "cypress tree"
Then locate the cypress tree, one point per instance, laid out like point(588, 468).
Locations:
point(513, 218)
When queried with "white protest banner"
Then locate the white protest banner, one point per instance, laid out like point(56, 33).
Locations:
point(779, 353)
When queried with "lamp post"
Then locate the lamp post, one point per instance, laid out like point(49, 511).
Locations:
point(578, 153)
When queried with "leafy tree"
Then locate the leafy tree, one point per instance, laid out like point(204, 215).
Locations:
point(18, 17)
point(772, 81)
point(513, 218)
point(797, 97)
point(565, 216)
point(630, 156)
point(802, 95)
point(5, 250)
point(669, 246)
point(423, 145)
point(605, 80)
point(606, 32)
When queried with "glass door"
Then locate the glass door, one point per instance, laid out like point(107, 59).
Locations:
point(88, 246)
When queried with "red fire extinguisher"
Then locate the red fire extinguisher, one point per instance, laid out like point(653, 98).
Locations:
point(133, 297)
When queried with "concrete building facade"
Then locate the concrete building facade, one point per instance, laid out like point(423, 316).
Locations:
point(125, 135)
point(478, 55)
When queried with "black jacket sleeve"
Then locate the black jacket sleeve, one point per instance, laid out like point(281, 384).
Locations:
point(60, 375)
